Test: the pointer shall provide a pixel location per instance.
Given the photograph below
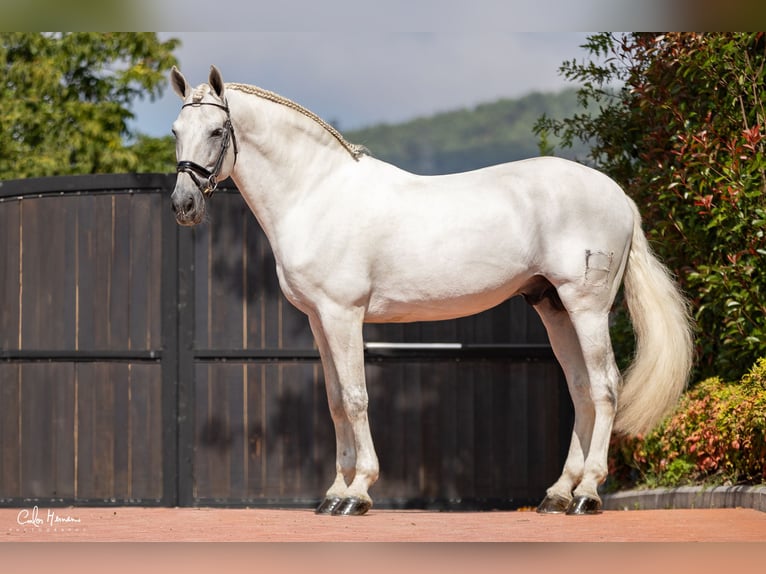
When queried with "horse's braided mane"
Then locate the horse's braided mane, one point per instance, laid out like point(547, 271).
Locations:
point(355, 150)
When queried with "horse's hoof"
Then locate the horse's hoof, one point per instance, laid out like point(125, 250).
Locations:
point(329, 505)
point(352, 506)
point(584, 505)
point(554, 505)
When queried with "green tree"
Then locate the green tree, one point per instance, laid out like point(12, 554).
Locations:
point(67, 99)
point(155, 155)
point(679, 122)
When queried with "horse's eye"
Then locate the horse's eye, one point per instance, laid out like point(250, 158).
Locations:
point(217, 133)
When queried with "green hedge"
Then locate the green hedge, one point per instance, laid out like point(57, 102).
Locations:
point(717, 435)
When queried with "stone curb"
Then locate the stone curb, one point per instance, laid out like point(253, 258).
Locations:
point(688, 497)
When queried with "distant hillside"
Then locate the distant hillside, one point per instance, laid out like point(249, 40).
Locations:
point(469, 139)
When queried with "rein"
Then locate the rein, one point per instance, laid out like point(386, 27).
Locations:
point(210, 182)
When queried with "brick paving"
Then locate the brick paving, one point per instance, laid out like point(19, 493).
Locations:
point(742, 532)
point(272, 525)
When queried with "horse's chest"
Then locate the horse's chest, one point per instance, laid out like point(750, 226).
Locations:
point(307, 284)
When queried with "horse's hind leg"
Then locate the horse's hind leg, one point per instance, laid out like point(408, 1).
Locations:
point(593, 331)
point(339, 338)
point(566, 347)
point(590, 317)
point(577, 320)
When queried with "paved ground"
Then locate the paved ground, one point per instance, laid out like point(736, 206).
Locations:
point(263, 525)
point(684, 528)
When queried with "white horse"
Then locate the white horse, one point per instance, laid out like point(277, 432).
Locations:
point(358, 240)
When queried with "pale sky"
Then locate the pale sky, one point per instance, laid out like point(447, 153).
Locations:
point(357, 80)
point(361, 62)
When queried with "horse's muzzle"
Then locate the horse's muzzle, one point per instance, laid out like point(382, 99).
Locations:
point(188, 205)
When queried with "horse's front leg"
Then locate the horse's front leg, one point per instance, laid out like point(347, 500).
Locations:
point(339, 337)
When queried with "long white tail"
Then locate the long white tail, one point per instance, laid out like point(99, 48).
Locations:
point(664, 348)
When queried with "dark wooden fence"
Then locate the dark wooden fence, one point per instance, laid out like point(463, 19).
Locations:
point(145, 363)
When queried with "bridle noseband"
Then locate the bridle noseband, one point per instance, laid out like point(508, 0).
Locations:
point(210, 182)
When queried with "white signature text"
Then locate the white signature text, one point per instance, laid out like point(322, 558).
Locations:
point(33, 517)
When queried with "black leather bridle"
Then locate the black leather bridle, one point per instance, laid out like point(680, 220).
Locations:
point(210, 182)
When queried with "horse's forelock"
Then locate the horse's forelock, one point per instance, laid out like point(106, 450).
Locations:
point(199, 93)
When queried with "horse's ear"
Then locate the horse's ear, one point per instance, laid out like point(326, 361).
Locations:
point(179, 83)
point(216, 81)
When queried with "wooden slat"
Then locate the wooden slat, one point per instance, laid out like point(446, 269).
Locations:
point(119, 278)
point(48, 298)
point(95, 263)
point(543, 435)
point(299, 405)
point(273, 484)
point(144, 269)
point(10, 435)
point(259, 263)
point(145, 415)
point(449, 396)
point(518, 415)
point(10, 235)
point(86, 309)
point(226, 267)
point(257, 430)
point(122, 423)
point(213, 430)
point(96, 438)
point(501, 398)
point(202, 278)
point(387, 429)
point(233, 407)
point(202, 424)
point(47, 410)
point(466, 418)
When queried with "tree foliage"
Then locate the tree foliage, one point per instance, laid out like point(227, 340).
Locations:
point(155, 154)
point(679, 122)
point(67, 96)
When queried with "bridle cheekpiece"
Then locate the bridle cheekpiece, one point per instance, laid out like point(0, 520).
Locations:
point(210, 182)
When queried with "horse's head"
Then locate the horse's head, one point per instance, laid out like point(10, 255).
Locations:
point(206, 148)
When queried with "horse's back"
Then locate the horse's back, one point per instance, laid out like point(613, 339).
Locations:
point(536, 184)
point(524, 208)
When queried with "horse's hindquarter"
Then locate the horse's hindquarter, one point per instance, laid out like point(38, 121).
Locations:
point(413, 248)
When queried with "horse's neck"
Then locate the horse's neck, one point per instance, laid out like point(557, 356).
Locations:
point(282, 155)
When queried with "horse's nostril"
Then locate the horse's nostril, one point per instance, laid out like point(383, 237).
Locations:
point(184, 206)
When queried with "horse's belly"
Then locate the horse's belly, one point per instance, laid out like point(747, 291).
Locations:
point(438, 300)
point(407, 313)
